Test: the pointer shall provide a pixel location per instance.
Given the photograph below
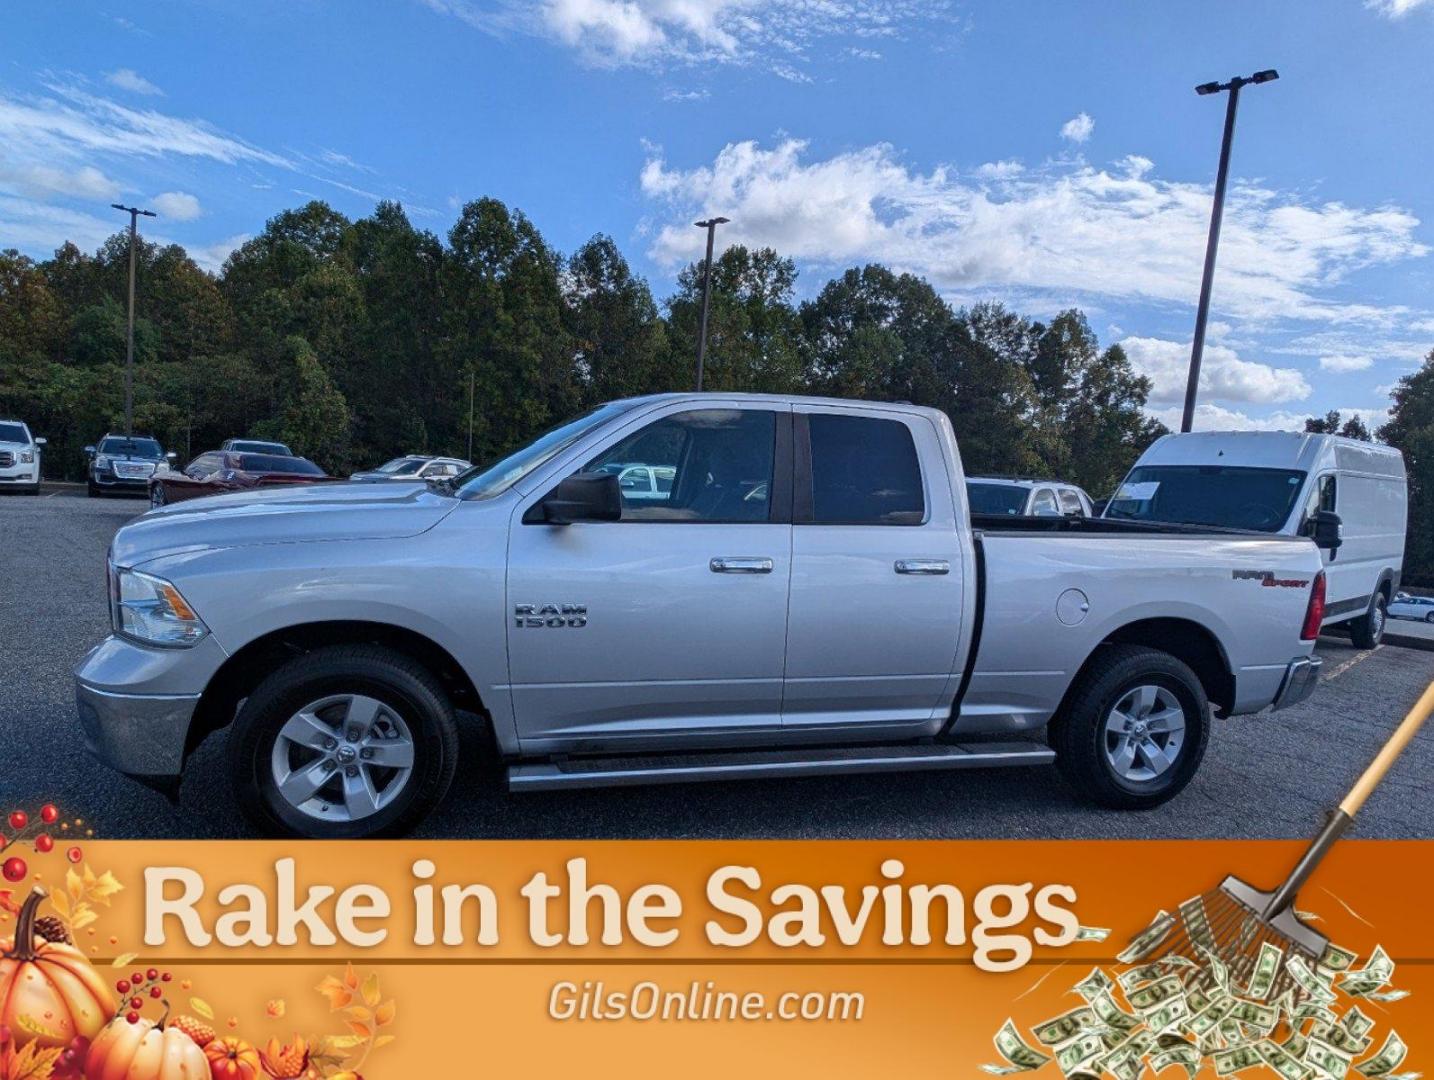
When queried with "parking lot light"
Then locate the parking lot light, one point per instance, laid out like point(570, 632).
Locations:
point(135, 213)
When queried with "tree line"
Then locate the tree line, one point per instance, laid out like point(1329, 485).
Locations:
point(358, 340)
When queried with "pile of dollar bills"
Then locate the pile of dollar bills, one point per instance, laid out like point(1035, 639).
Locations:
point(1302, 1020)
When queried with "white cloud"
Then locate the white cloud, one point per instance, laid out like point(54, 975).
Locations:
point(211, 256)
point(41, 181)
point(133, 81)
point(1223, 375)
point(176, 206)
point(1000, 170)
point(1211, 417)
point(1345, 363)
point(660, 33)
point(1078, 128)
point(1066, 231)
point(1394, 9)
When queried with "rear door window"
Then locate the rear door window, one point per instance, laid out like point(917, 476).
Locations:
point(864, 472)
point(1045, 503)
point(1071, 506)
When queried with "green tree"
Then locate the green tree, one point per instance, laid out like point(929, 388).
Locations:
point(1411, 430)
point(1333, 424)
point(31, 317)
point(313, 417)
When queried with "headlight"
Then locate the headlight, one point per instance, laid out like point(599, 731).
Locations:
point(151, 610)
point(102, 461)
point(27, 457)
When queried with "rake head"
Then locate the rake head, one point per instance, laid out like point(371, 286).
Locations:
point(1231, 924)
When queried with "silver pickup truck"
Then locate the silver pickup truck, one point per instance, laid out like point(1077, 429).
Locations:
point(804, 592)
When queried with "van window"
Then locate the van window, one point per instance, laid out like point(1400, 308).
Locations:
point(1071, 506)
point(1232, 496)
point(1044, 504)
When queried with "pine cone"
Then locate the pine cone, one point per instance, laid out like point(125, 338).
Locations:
point(52, 929)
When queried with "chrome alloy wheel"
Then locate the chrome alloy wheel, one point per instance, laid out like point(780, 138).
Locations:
point(342, 758)
point(1144, 733)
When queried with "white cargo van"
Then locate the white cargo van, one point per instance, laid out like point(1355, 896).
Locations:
point(1348, 495)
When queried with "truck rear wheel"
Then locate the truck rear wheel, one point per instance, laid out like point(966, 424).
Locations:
point(1368, 630)
point(343, 742)
point(1133, 729)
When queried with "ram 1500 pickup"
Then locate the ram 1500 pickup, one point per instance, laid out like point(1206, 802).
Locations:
point(804, 592)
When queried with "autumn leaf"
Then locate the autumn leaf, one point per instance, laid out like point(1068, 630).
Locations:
point(33, 1063)
point(359, 1013)
point(384, 1014)
point(84, 915)
point(202, 1007)
point(363, 1031)
point(123, 960)
point(371, 993)
point(383, 1040)
point(351, 979)
point(338, 994)
point(341, 1042)
point(61, 903)
point(276, 1008)
point(74, 885)
point(103, 888)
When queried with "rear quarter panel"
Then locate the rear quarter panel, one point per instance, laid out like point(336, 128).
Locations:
point(1028, 656)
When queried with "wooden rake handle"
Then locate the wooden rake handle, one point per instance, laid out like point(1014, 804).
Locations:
point(1342, 818)
point(1366, 784)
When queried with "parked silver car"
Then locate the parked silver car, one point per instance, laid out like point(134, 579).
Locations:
point(1406, 606)
point(415, 467)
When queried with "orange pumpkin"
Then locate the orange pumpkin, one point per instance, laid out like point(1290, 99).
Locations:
point(144, 1051)
point(49, 993)
point(232, 1058)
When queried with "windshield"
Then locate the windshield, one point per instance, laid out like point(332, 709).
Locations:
point(250, 446)
point(401, 466)
point(995, 498)
point(13, 433)
point(140, 448)
point(485, 481)
point(273, 463)
point(1233, 496)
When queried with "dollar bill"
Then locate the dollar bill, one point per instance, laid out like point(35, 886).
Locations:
point(1153, 995)
point(1339, 1037)
point(1067, 1026)
point(1281, 1060)
point(1391, 1055)
point(1217, 969)
point(1020, 1056)
point(1168, 1015)
point(1185, 1056)
point(1144, 973)
point(1237, 1058)
point(1375, 974)
point(1308, 981)
point(1094, 985)
point(1082, 1050)
point(1335, 958)
point(1112, 1015)
point(1296, 1044)
point(1197, 923)
point(1196, 998)
point(1148, 940)
point(1208, 1019)
point(1327, 1059)
point(1355, 1022)
point(1092, 933)
point(1387, 995)
point(1267, 966)
point(1257, 1015)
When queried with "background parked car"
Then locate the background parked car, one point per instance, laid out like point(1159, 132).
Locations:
point(1404, 606)
point(19, 457)
point(1018, 496)
point(256, 446)
point(415, 467)
point(124, 463)
point(218, 471)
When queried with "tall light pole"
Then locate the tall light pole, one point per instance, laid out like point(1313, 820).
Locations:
point(134, 215)
point(711, 226)
point(1217, 213)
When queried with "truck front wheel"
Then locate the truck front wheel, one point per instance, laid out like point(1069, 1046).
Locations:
point(1133, 729)
point(343, 742)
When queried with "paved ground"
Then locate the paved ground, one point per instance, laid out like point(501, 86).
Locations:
point(1265, 776)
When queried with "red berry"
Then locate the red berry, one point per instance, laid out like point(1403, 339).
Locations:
point(136, 1003)
point(19, 819)
point(44, 843)
point(49, 813)
point(122, 986)
point(155, 991)
point(132, 1017)
point(166, 977)
point(15, 869)
point(74, 854)
point(137, 978)
point(152, 974)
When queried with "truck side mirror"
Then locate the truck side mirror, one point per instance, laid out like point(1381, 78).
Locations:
point(1325, 530)
point(40, 440)
point(170, 456)
point(89, 451)
point(580, 497)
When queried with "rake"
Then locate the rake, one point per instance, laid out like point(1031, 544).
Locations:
point(1234, 921)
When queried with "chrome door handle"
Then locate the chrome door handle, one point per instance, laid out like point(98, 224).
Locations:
point(741, 564)
point(930, 567)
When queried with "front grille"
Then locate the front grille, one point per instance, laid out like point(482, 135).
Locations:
point(6, 459)
point(133, 470)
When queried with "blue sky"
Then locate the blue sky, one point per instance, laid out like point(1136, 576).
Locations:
point(1046, 154)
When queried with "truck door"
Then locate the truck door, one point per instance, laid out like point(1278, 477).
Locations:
point(671, 623)
point(875, 613)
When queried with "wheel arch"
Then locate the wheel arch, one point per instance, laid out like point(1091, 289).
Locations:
point(251, 664)
point(1189, 642)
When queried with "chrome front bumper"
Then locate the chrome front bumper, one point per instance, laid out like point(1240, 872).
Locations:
point(1301, 678)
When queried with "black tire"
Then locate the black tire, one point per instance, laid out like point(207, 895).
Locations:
point(395, 680)
point(1078, 736)
point(92, 491)
point(1429, 618)
point(34, 490)
point(157, 498)
point(1367, 631)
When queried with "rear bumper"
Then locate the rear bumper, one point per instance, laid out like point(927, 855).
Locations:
point(1301, 678)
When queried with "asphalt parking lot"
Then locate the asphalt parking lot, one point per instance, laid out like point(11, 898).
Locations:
point(1268, 776)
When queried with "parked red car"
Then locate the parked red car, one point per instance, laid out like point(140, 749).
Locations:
point(219, 471)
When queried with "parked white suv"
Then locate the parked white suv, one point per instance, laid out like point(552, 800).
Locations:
point(1013, 496)
point(19, 457)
